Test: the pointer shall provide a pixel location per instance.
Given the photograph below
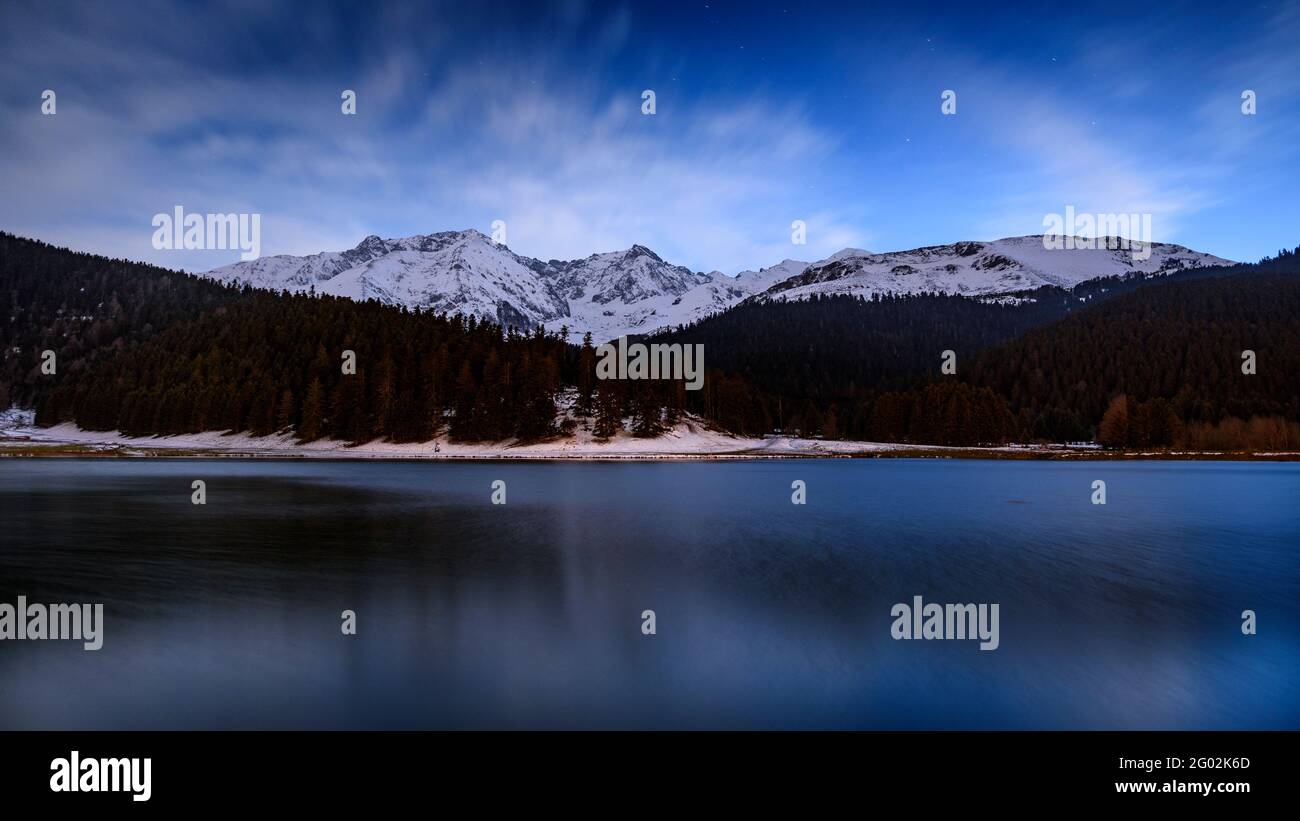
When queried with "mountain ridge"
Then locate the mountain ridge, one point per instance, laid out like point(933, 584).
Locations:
point(1138, 363)
point(636, 291)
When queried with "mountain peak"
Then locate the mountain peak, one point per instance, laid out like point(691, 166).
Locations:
point(980, 269)
point(636, 292)
point(641, 249)
point(844, 253)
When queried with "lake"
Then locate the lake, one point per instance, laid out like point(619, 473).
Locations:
point(767, 614)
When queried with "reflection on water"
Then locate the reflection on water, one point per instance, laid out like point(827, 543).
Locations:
point(768, 614)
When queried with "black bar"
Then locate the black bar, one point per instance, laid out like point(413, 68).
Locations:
point(365, 770)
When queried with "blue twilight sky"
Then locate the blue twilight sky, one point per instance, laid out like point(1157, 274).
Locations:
point(530, 112)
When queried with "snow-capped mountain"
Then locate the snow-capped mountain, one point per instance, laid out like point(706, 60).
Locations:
point(610, 294)
point(980, 268)
point(451, 272)
point(637, 292)
point(623, 292)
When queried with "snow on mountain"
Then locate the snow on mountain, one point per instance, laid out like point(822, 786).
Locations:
point(783, 270)
point(980, 268)
point(623, 292)
point(691, 298)
point(451, 272)
point(636, 292)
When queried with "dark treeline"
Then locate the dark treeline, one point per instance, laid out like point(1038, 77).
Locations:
point(837, 348)
point(852, 367)
point(841, 350)
point(1168, 349)
point(1127, 361)
point(1170, 354)
point(144, 350)
point(149, 351)
point(271, 362)
point(79, 305)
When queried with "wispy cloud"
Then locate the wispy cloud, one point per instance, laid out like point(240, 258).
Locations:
point(573, 168)
point(531, 113)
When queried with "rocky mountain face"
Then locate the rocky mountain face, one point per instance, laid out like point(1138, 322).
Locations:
point(993, 268)
point(636, 292)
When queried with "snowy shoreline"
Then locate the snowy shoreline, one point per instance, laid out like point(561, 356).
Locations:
point(688, 440)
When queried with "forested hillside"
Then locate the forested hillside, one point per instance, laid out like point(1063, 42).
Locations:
point(1166, 353)
point(146, 350)
point(817, 366)
point(1172, 350)
point(81, 304)
point(1132, 362)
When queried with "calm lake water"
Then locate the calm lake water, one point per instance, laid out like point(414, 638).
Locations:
point(769, 615)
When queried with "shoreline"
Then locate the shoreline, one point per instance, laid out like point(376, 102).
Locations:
point(688, 441)
point(179, 455)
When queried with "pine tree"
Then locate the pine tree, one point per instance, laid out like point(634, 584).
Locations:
point(313, 412)
point(647, 410)
point(382, 398)
point(1114, 429)
point(586, 375)
point(462, 421)
point(286, 415)
point(609, 408)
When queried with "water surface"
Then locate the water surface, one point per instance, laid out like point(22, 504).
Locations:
point(769, 615)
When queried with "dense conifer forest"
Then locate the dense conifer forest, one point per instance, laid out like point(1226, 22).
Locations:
point(818, 366)
point(1165, 353)
point(145, 350)
point(1161, 359)
point(150, 351)
point(1130, 362)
